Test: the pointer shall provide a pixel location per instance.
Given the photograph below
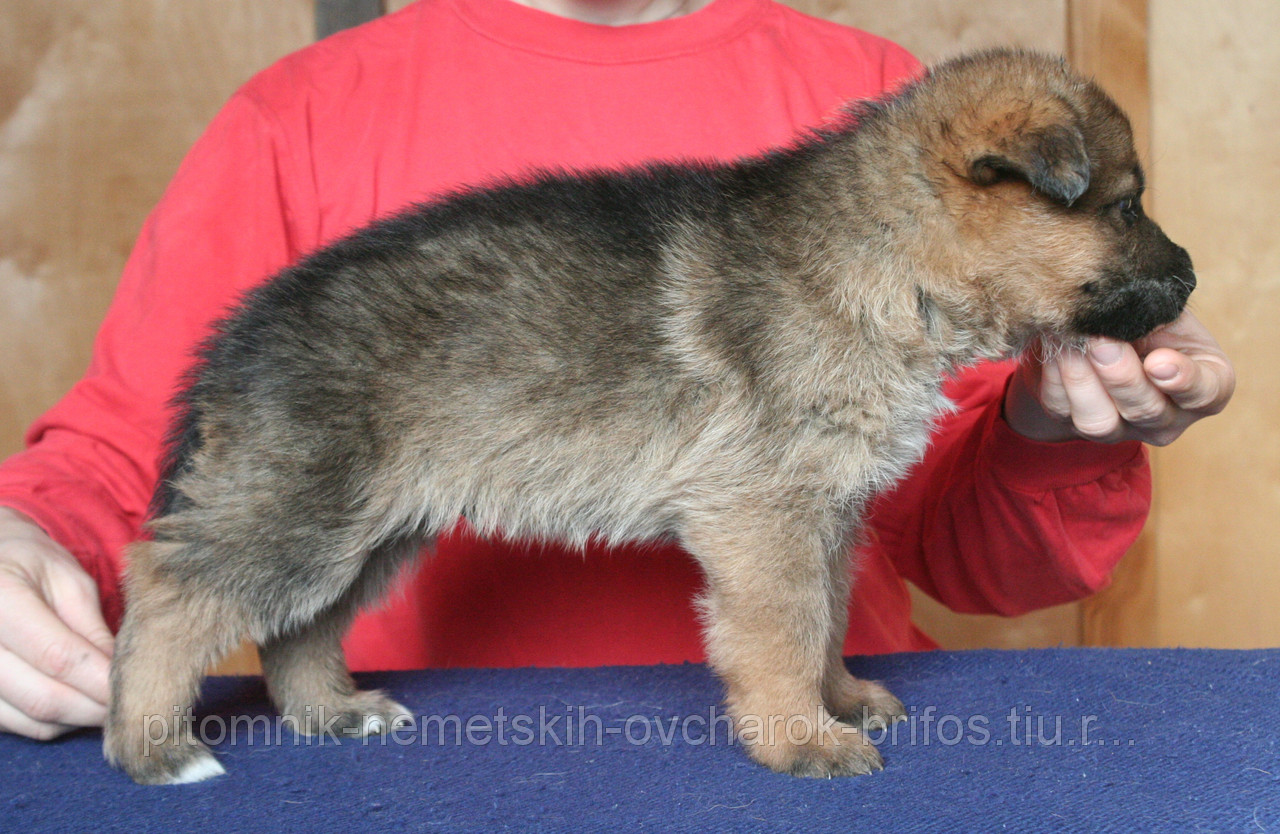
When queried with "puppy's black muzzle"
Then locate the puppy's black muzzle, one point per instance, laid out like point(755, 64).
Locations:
point(1149, 287)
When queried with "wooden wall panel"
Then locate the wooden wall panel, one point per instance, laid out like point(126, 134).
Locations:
point(933, 29)
point(98, 103)
point(1215, 71)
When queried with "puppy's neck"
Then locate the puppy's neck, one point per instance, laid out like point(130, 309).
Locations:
point(897, 268)
point(824, 273)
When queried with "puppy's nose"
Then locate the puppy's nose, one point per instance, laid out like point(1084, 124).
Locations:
point(1180, 269)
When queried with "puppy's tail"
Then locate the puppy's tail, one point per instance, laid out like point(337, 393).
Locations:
point(184, 438)
point(181, 445)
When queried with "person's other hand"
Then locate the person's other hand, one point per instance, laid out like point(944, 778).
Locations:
point(55, 646)
point(1151, 390)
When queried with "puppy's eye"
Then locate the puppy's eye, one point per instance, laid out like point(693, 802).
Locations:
point(1127, 210)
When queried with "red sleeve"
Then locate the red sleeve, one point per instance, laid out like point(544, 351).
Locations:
point(990, 522)
point(90, 464)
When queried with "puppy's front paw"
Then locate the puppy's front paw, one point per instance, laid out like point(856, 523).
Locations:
point(864, 704)
point(814, 744)
point(842, 750)
point(356, 716)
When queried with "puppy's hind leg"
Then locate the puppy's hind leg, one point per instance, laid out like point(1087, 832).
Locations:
point(306, 672)
point(166, 642)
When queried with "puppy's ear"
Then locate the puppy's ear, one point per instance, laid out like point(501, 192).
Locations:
point(1051, 158)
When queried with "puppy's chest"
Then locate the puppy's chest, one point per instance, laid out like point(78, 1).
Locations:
point(867, 441)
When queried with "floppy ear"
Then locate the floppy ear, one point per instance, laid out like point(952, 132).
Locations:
point(1052, 158)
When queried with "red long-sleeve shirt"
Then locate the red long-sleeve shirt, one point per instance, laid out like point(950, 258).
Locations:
point(453, 92)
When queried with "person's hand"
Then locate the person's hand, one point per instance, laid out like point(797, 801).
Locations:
point(54, 645)
point(1151, 390)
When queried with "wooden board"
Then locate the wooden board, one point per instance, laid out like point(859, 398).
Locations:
point(1215, 70)
point(98, 103)
point(933, 29)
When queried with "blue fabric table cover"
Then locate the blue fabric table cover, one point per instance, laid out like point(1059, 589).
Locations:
point(1040, 740)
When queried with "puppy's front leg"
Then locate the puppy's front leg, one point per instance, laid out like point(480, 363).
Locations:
point(770, 608)
point(863, 703)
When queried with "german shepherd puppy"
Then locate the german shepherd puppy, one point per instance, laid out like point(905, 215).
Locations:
point(734, 356)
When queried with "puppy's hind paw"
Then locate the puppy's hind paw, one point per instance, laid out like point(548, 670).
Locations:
point(198, 769)
point(360, 714)
point(865, 704)
point(391, 717)
point(168, 764)
point(369, 714)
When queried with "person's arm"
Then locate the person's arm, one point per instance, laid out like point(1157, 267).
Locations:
point(1012, 509)
point(90, 465)
point(993, 522)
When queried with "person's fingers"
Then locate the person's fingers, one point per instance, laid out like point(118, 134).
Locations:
point(1034, 405)
point(13, 720)
point(1053, 392)
point(1093, 413)
point(1113, 391)
point(1124, 378)
point(33, 632)
point(1201, 385)
point(43, 700)
point(1188, 364)
point(54, 643)
point(75, 601)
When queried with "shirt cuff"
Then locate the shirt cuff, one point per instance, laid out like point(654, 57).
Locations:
point(1037, 466)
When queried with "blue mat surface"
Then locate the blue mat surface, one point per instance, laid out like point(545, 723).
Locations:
point(1044, 740)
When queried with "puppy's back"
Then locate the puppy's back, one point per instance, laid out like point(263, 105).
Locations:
point(538, 304)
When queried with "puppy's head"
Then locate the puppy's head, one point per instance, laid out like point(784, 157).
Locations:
point(1037, 169)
